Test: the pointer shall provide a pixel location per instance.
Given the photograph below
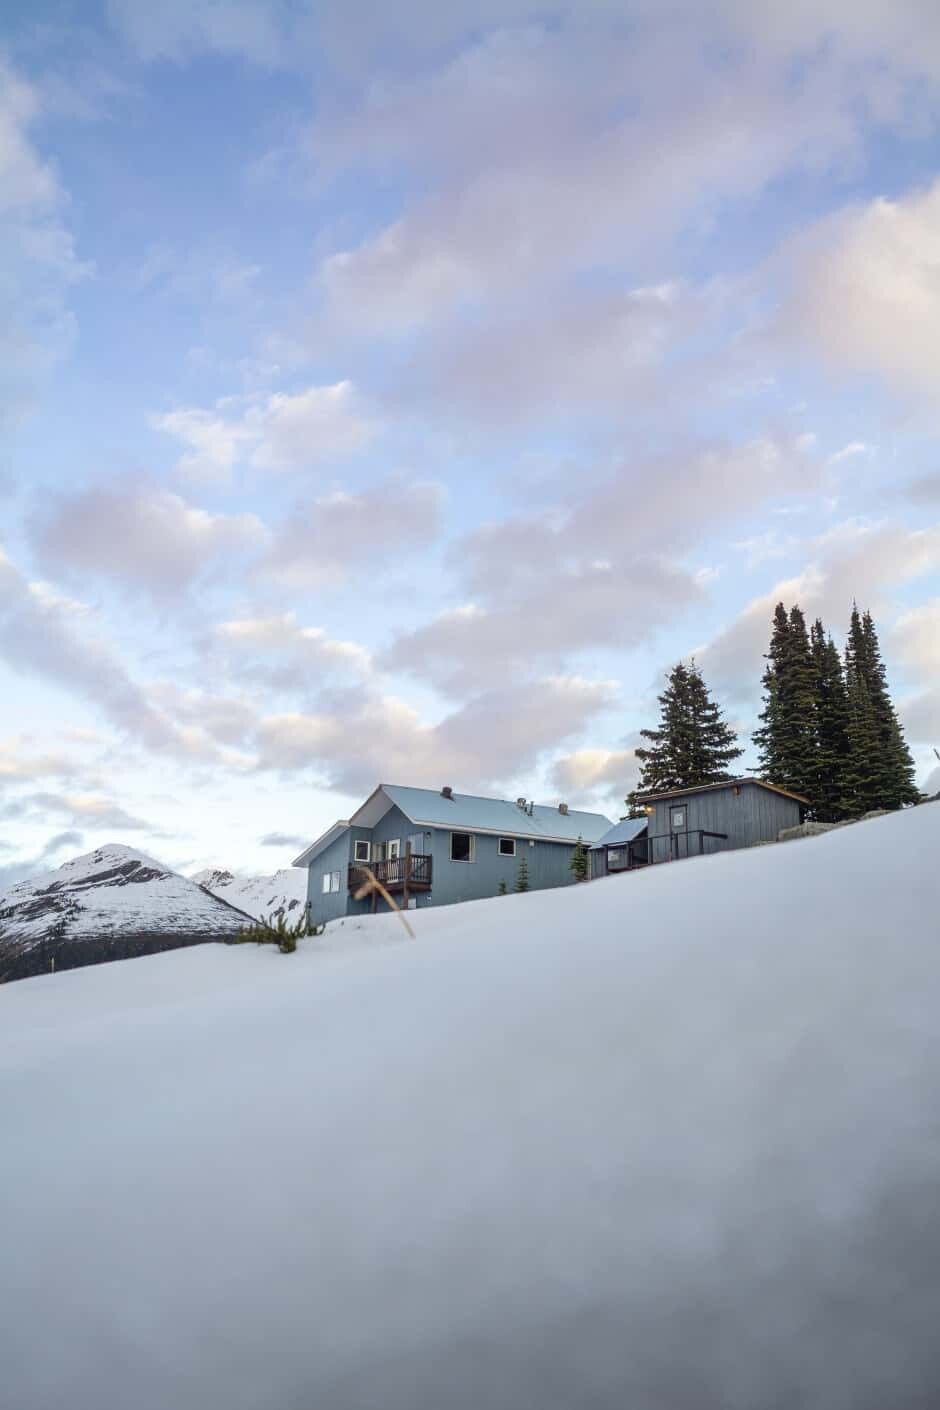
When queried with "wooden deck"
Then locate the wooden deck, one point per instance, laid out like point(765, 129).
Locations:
point(411, 872)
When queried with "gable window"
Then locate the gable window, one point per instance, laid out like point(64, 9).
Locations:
point(363, 850)
point(461, 847)
point(507, 846)
point(330, 881)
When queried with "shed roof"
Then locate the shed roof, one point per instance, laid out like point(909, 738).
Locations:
point(728, 783)
point(626, 830)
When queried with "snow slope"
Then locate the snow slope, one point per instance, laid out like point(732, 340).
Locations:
point(261, 896)
point(106, 904)
point(666, 1141)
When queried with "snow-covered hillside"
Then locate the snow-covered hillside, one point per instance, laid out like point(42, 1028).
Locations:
point(284, 893)
point(666, 1141)
point(108, 904)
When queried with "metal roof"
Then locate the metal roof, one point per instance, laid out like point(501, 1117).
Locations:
point(728, 783)
point(626, 830)
point(428, 806)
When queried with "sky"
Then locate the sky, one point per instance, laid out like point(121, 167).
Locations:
point(396, 393)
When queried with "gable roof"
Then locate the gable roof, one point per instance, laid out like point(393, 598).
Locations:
point(325, 840)
point(728, 783)
point(429, 808)
point(626, 830)
point(426, 807)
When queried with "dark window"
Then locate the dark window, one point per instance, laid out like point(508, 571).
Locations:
point(507, 846)
point(461, 847)
point(362, 850)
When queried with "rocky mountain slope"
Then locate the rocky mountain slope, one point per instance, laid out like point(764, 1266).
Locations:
point(284, 893)
point(113, 903)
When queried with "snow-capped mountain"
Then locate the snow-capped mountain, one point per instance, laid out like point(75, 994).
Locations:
point(112, 903)
point(284, 893)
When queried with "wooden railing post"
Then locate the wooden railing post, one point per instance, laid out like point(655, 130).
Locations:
point(407, 873)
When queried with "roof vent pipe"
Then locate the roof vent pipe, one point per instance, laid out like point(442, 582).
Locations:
point(447, 791)
point(520, 803)
point(563, 809)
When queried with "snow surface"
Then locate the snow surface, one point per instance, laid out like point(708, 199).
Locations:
point(260, 896)
point(662, 1141)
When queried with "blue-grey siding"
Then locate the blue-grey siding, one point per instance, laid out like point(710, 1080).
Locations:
point(754, 814)
point(548, 865)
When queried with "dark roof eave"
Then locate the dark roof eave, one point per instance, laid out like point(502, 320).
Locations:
point(728, 783)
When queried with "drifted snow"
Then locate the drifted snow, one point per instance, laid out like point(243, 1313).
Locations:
point(284, 893)
point(663, 1141)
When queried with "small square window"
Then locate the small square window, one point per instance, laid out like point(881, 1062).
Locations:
point(507, 846)
point(461, 847)
point(362, 850)
point(678, 820)
point(331, 881)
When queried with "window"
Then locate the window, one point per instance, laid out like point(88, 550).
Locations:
point(394, 848)
point(677, 819)
point(378, 851)
point(362, 852)
point(461, 847)
point(330, 881)
point(416, 841)
point(507, 846)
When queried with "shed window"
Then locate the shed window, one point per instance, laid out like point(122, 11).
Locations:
point(330, 881)
point(677, 819)
point(461, 847)
point(507, 846)
point(362, 850)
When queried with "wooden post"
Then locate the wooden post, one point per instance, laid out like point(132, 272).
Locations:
point(407, 874)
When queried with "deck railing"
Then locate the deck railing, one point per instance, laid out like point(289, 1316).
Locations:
point(413, 870)
point(661, 847)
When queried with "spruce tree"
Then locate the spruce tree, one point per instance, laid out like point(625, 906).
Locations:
point(861, 778)
point(786, 740)
point(580, 862)
point(693, 745)
point(830, 794)
point(893, 772)
point(522, 875)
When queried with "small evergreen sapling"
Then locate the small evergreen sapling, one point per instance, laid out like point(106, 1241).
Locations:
point(522, 875)
point(580, 862)
point(501, 889)
point(276, 931)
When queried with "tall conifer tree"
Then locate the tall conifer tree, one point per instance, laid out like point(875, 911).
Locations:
point(693, 744)
point(786, 740)
point(892, 784)
point(831, 802)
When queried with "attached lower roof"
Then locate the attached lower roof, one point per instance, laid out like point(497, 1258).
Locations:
point(626, 830)
point(728, 783)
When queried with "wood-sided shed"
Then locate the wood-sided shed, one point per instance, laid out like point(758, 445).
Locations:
point(688, 822)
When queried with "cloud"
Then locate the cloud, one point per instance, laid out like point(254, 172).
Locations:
point(256, 30)
point(37, 256)
point(283, 839)
point(852, 561)
point(319, 544)
point(19, 760)
point(39, 637)
point(915, 640)
point(864, 290)
point(603, 570)
point(264, 640)
point(142, 537)
point(589, 773)
point(280, 432)
point(88, 809)
point(925, 490)
point(357, 739)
